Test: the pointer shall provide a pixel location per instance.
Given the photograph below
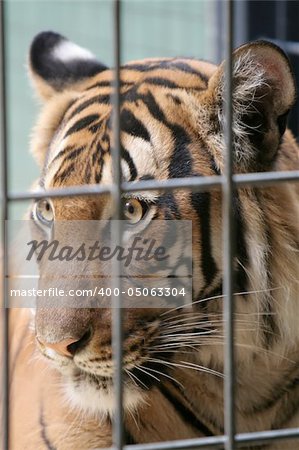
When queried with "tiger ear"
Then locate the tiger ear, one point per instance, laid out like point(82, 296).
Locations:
point(56, 64)
point(263, 92)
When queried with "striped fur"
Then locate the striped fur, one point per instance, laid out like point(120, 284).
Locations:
point(172, 126)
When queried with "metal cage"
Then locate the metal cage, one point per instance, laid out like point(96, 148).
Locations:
point(227, 182)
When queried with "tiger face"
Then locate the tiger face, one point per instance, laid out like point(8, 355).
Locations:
point(171, 127)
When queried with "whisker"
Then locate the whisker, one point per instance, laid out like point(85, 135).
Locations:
point(149, 374)
point(137, 379)
point(185, 365)
point(186, 335)
point(189, 324)
point(183, 317)
point(220, 296)
point(165, 375)
point(163, 348)
point(131, 376)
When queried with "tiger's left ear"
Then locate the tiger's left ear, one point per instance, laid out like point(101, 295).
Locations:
point(263, 93)
point(56, 64)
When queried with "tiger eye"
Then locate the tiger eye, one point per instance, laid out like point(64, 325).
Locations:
point(44, 211)
point(133, 210)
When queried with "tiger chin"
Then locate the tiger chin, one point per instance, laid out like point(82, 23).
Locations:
point(172, 126)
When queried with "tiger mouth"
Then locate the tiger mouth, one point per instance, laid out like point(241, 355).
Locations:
point(140, 372)
point(102, 382)
point(143, 375)
point(106, 383)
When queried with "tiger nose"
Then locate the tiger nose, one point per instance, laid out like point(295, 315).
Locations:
point(68, 346)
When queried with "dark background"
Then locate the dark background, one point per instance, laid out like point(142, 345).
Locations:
point(278, 20)
point(275, 20)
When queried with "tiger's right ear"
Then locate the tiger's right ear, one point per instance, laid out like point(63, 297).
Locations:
point(56, 64)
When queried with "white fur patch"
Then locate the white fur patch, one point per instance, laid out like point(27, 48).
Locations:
point(68, 51)
point(99, 402)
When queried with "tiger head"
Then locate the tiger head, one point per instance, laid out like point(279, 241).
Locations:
point(172, 126)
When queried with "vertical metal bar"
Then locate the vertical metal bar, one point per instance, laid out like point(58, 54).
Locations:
point(117, 333)
point(228, 236)
point(241, 23)
point(4, 216)
point(219, 40)
point(281, 20)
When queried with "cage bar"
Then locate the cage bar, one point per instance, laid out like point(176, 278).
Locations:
point(4, 216)
point(228, 240)
point(117, 310)
point(281, 20)
point(194, 184)
point(217, 442)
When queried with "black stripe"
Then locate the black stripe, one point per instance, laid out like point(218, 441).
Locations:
point(131, 125)
point(95, 127)
point(146, 177)
point(201, 202)
point(275, 395)
point(287, 409)
point(82, 123)
point(286, 399)
point(213, 164)
point(186, 415)
point(146, 67)
point(218, 427)
point(175, 98)
point(271, 330)
point(168, 204)
point(97, 99)
point(153, 107)
point(159, 81)
point(128, 438)
point(107, 83)
point(172, 64)
point(104, 83)
point(67, 149)
point(185, 67)
point(74, 154)
point(127, 157)
point(181, 161)
point(180, 165)
point(87, 174)
point(59, 176)
point(98, 162)
point(43, 431)
point(241, 247)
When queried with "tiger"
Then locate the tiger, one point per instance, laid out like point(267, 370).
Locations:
point(172, 120)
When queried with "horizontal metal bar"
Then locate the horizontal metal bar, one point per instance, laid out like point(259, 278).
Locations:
point(216, 442)
point(192, 183)
point(205, 183)
point(69, 191)
point(261, 437)
point(266, 178)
